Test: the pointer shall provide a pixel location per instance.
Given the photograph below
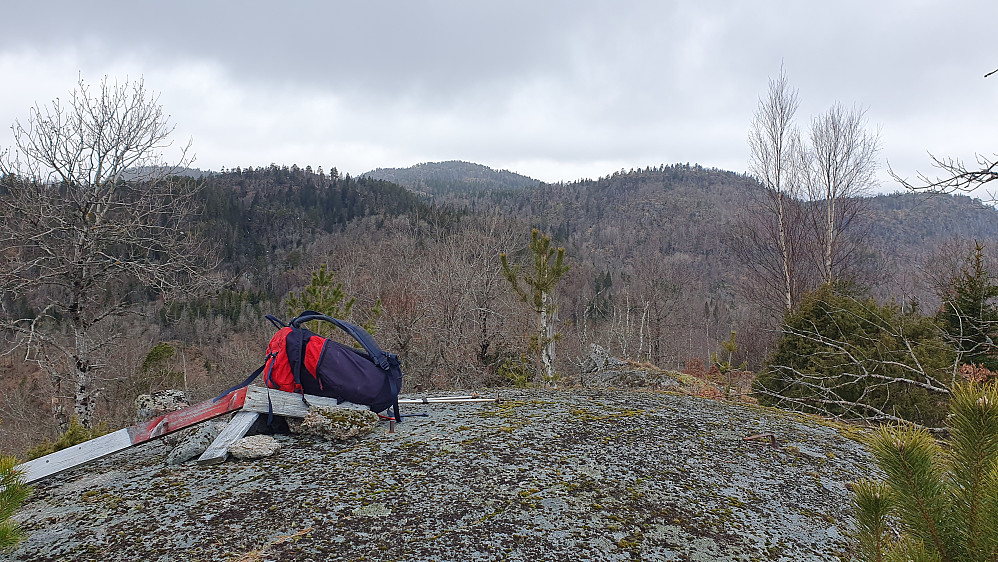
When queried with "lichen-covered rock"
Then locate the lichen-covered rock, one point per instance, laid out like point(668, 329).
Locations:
point(149, 406)
point(254, 447)
point(336, 424)
point(599, 359)
point(609, 475)
point(194, 442)
point(603, 370)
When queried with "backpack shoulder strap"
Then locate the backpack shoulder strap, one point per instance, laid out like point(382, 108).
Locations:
point(246, 382)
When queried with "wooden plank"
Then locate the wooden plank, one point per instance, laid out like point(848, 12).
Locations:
point(179, 419)
point(69, 457)
point(123, 438)
point(219, 448)
point(288, 403)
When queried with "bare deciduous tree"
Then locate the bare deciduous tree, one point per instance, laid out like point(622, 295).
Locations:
point(801, 232)
point(841, 165)
point(95, 222)
point(772, 243)
point(955, 176)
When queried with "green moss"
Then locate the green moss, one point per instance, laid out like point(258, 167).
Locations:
point(632, 541)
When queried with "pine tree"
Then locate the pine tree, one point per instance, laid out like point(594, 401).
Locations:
point(944, 499)
point(539, 286)
point(324, 296)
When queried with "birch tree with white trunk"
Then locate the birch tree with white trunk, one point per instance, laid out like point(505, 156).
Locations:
point(774, 242)
point(842, 163)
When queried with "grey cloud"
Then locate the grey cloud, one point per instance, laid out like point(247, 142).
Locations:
point(559, 81)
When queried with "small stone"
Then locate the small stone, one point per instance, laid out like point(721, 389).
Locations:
point(254, 447)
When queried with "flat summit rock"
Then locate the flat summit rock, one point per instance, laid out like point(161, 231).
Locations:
point(542, 475)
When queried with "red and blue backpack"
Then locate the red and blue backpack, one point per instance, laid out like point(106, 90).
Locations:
point(299, 360)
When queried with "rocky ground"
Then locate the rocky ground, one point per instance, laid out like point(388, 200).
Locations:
point(542, 475)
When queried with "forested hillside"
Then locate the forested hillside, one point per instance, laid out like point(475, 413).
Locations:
point(655, 275)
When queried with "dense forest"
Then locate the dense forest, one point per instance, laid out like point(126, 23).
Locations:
point(654, 276)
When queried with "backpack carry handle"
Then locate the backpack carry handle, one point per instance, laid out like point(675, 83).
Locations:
point(380, 357)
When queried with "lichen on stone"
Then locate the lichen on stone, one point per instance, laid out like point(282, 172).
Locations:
point(336, 424)
point(608, 475)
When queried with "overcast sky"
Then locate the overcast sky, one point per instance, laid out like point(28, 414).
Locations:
point(554, 90)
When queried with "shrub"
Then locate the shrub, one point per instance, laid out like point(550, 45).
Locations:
point(74, 435)
point(843, 354)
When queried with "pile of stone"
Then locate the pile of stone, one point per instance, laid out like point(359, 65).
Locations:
point(602, 370)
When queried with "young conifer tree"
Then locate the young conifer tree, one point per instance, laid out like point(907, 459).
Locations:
point(13, 492)
point(943, 500)
point(969, 313)
point(325, 296)
point(540, 284)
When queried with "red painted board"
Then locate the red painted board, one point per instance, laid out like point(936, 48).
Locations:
point(175, 421)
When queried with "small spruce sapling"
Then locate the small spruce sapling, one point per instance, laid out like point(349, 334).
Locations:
point(324, 296)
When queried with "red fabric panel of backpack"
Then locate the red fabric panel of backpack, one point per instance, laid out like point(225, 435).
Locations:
point(313, 351)
point(277, 372)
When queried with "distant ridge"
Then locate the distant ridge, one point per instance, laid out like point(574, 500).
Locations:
point(453, 177)
point(157, 171)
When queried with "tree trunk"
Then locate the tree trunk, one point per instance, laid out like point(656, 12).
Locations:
point(83, 403)
point(547, 341)
point(785, 254)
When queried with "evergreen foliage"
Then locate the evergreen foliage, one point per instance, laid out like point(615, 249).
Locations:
point(537, 293)
point(259, 217)
point(453, 177)
point(158, 354)
point(13, 492)
point(969, 313)
point(843, 354)
point(75, 434)
point(323, 296)
point(944, 499)
point(724, 363)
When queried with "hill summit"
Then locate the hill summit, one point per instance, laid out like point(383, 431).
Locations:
point(453, 177)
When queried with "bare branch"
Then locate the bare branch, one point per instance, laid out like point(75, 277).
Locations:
point(93, 218)
point(955, 176)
